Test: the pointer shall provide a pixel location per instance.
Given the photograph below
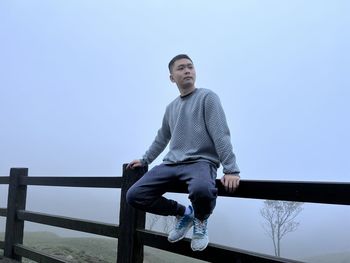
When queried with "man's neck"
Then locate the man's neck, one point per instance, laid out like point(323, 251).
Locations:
point(186, 91)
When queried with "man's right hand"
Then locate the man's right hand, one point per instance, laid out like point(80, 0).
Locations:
point(133, 164)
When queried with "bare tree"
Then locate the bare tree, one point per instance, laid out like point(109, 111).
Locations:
point(279, 220)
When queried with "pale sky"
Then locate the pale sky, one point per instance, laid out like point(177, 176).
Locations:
point(84, 84)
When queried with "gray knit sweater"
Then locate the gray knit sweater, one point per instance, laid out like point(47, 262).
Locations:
point(197, 130)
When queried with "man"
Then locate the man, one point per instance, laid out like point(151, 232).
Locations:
point(195, 125)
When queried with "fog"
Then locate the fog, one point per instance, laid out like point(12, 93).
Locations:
point(84, 86)
point(236, 222)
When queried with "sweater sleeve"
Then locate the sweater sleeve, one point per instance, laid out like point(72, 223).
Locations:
point(217, 127)
point(160, 142)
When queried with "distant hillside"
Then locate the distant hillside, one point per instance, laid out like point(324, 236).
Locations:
point(343, 257)
point(103, 250)
point(90, 250)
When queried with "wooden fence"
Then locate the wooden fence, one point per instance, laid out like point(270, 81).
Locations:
point(131, 233)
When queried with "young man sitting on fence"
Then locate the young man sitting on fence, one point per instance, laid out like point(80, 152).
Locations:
point(195, 125)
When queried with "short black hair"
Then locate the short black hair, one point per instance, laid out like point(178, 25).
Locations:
point(180, 56)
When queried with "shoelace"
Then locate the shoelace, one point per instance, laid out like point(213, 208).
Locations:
point(200, 227)
point(182, 222)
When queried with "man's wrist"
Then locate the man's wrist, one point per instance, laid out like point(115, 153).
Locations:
point(232, 174)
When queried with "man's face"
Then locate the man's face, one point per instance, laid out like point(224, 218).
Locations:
point(183, 73)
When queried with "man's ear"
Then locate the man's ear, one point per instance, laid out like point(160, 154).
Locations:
point(171, 78)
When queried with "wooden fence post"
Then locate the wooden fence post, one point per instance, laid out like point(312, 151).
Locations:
point(130, 249)
point(17, 195)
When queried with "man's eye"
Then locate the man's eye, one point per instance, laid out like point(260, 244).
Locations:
point(180, 68)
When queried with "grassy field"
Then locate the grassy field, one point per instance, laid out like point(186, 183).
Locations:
point(90, 250)
point(331, 258)
point(103, 250)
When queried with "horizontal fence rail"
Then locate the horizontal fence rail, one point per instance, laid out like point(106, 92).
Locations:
point(94, 182)
point(308, 192)
point(92, 227)
point(3, 212)
point(213, 253)
point(36, 255)
point(132, 222)
point(4, 180)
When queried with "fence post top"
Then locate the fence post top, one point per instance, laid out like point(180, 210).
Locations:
point(18, 172)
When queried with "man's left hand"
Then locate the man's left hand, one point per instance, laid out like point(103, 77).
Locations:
point(230, 182)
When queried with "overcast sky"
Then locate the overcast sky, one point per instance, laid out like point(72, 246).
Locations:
point(84, 84)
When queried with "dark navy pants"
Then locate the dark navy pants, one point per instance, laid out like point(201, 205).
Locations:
point(147, 193)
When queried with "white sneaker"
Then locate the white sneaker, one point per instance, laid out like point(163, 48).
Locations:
point(200, 239)
point(182, 225)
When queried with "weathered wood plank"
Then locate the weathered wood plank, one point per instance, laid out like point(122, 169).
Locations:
point(7, 260)
point(93, 227)
point(17, 196)
point(310, 192)
point(94, 182)
point(213, 253)
point(4, 180)
point(3, 212)
point(130, 248)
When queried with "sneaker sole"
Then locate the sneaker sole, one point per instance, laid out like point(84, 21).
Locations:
point(199, 249)
point(181, 237)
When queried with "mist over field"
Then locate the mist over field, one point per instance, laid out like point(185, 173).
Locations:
point(236, 222)
point(84, 86)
